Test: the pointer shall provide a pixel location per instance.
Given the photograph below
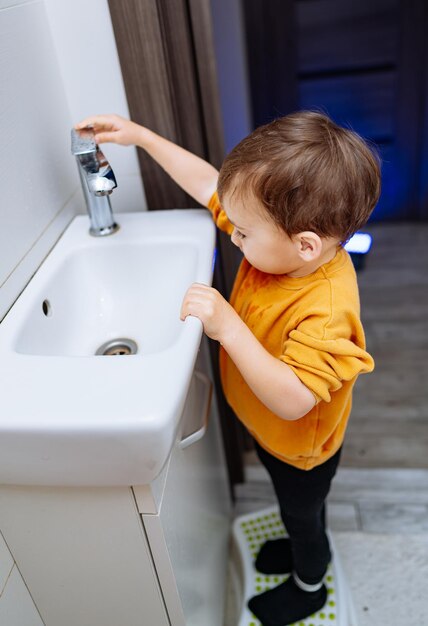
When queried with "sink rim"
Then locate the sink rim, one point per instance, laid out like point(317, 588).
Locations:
point(34, 413)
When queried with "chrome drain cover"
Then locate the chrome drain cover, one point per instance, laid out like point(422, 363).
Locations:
point(118, 347)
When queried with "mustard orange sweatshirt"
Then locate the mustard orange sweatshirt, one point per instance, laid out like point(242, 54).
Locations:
point(311, 323)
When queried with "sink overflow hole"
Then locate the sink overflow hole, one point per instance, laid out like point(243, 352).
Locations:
point(46, 307)
point(118, 347)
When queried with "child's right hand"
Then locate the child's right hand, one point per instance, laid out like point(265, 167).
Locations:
point(112, 128)
point(197, 177)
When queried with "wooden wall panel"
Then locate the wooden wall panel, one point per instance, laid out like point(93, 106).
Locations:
point(157, 60)
point(144, 68)
point(203, 43)
point(180, 67)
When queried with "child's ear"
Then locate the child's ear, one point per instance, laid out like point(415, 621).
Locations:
point(309, 245)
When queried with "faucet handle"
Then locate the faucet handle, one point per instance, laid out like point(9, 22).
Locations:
point(83, 141)
point(98, 181)
point(98, 175)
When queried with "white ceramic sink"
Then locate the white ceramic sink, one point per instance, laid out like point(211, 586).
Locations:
point(71, 417)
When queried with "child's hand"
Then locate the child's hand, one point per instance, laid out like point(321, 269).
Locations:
point(112, 128)
point(215, 313)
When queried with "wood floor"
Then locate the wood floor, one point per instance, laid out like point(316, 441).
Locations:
point(389, 420)
point(387, 501)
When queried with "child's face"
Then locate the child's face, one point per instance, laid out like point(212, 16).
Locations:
point(265, 246)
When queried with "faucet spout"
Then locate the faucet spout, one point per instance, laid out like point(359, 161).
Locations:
point(98, 181)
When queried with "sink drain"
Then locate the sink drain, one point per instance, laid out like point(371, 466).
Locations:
point(117, 347)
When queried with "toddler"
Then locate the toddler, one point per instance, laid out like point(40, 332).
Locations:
point(292, 344)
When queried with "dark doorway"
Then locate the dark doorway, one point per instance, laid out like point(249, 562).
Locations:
point(365, 64)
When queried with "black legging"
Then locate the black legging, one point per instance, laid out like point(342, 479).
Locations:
point(301, 496)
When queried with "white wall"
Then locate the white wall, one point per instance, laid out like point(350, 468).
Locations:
point(86, 51)
point(58, 62)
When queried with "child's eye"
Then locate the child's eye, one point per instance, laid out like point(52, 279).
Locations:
point(239, 234)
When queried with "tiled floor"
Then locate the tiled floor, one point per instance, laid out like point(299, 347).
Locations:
point(378, 505)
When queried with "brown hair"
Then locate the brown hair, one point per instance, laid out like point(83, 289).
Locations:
point(308, 173)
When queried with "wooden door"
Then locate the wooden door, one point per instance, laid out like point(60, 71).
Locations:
point(365, 64)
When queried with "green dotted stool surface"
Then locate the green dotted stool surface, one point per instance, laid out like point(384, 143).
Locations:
point(250, 532)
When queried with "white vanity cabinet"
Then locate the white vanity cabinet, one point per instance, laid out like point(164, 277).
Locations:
point(16, 605)
point(186, 513)
point(151, 555)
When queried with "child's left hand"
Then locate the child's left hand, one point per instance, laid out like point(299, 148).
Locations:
point(215, 313)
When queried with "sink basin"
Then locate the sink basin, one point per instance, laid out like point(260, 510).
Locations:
point(69, 414)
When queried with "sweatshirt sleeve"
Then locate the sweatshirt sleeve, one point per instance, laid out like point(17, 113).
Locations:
point(324, 364)
point(219, 216)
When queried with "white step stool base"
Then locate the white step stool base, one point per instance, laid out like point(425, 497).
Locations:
point(249, 533)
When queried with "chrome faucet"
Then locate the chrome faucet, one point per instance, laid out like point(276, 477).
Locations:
point(97, 180)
